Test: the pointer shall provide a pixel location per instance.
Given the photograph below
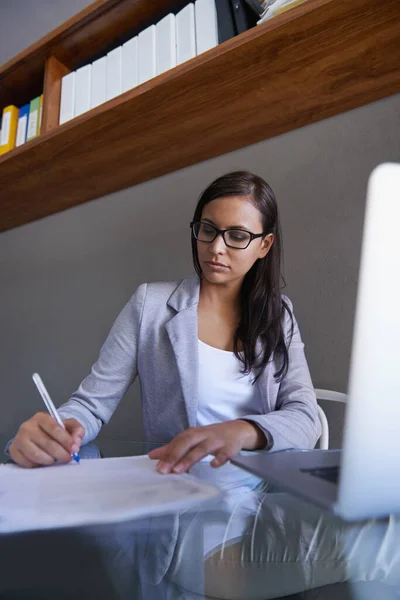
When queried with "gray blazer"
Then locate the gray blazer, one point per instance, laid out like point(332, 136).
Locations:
point(155, 336)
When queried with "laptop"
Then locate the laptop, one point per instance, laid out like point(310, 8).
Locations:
point(362, 480)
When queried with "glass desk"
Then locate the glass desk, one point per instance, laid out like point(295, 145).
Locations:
point(253, 543)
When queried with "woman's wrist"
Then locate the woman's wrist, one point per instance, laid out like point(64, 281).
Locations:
point(253, 438)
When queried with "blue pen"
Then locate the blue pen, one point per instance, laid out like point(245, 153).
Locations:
point(50, 406)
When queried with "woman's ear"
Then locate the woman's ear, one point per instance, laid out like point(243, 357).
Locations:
point(266, 245)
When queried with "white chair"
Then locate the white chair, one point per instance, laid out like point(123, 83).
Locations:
point(326, 395)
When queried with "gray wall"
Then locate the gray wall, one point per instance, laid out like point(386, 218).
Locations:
point(64, 279)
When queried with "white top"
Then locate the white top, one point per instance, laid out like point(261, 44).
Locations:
point(224, 393)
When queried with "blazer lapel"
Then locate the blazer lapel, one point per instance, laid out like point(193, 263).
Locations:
point(182, 330)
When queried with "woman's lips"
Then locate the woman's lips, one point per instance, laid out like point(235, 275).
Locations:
point(216, 266)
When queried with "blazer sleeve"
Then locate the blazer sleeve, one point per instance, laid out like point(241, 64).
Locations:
point(295, 421)
point(114, 371)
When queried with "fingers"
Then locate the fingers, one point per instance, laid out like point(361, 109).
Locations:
point(157, 453)
point(39, 449)
point(223, 440)
point(186, 450)
point(46, 445)
point(196, 454)
point(36, 455)
point(28, 455)
point(41, 441)
point(53, 430)
point(173, 452)
point(21, 459)
point(221, 458)
point(77, 431)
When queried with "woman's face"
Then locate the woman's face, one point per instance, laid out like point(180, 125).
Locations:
point(219, 263)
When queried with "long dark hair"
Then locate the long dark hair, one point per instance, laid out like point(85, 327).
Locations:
point(262, 306)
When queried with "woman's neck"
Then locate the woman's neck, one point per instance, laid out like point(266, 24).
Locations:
point(220, 297)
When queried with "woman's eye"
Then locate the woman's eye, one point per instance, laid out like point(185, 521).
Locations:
point(237, 236)
point(208, 230)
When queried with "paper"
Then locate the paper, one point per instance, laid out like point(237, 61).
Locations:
point(97, 491)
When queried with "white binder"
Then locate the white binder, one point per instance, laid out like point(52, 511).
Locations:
point(206, 25)
point(114, 63)
point(185, 34)
point(67, 104)
point(165, 44)
point(99, 82)
point(147, 54)
point(82, 90)
point(130, 65)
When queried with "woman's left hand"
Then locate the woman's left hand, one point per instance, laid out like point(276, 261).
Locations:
point(223, 440)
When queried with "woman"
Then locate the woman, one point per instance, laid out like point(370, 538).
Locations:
point(222, 368)
point(219, 355)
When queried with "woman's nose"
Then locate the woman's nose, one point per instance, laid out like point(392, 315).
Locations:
point(218, 245)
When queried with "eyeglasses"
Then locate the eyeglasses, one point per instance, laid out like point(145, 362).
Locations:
point(233, 238)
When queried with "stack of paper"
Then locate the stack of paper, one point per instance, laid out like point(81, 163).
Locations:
point(97, 491)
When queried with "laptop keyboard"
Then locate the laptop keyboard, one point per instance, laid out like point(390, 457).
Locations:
point(328, 473)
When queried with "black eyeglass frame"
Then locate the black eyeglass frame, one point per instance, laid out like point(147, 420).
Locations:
point(222, 232)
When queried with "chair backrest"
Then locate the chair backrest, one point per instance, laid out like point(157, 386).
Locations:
point(330, 395)
point(334, 397)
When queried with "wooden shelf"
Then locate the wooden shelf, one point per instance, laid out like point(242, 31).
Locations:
point(317, 60)
point(89, 34)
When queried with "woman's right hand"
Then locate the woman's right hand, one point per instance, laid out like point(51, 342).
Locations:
point(41, 441)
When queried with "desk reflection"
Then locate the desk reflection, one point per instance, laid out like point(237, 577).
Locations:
point(252, 543)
